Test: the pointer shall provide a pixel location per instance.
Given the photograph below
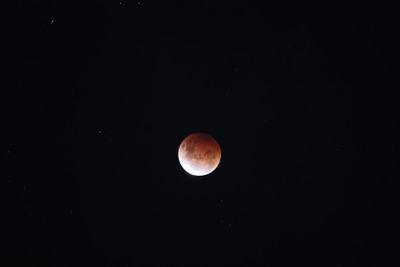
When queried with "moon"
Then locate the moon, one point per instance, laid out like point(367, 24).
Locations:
point(199, 154)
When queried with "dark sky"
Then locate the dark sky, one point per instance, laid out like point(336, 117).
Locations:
point(99, 94)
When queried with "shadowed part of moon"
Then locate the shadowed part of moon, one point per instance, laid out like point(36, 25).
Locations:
point(199, 154)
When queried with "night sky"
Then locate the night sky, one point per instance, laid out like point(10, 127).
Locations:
point(98, 95)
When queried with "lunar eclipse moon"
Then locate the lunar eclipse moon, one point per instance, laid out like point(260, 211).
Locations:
point(199, 154)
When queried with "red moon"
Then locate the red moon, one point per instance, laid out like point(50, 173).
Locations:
point(199, 154)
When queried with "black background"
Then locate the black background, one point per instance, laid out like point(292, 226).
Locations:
point(99, 94)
